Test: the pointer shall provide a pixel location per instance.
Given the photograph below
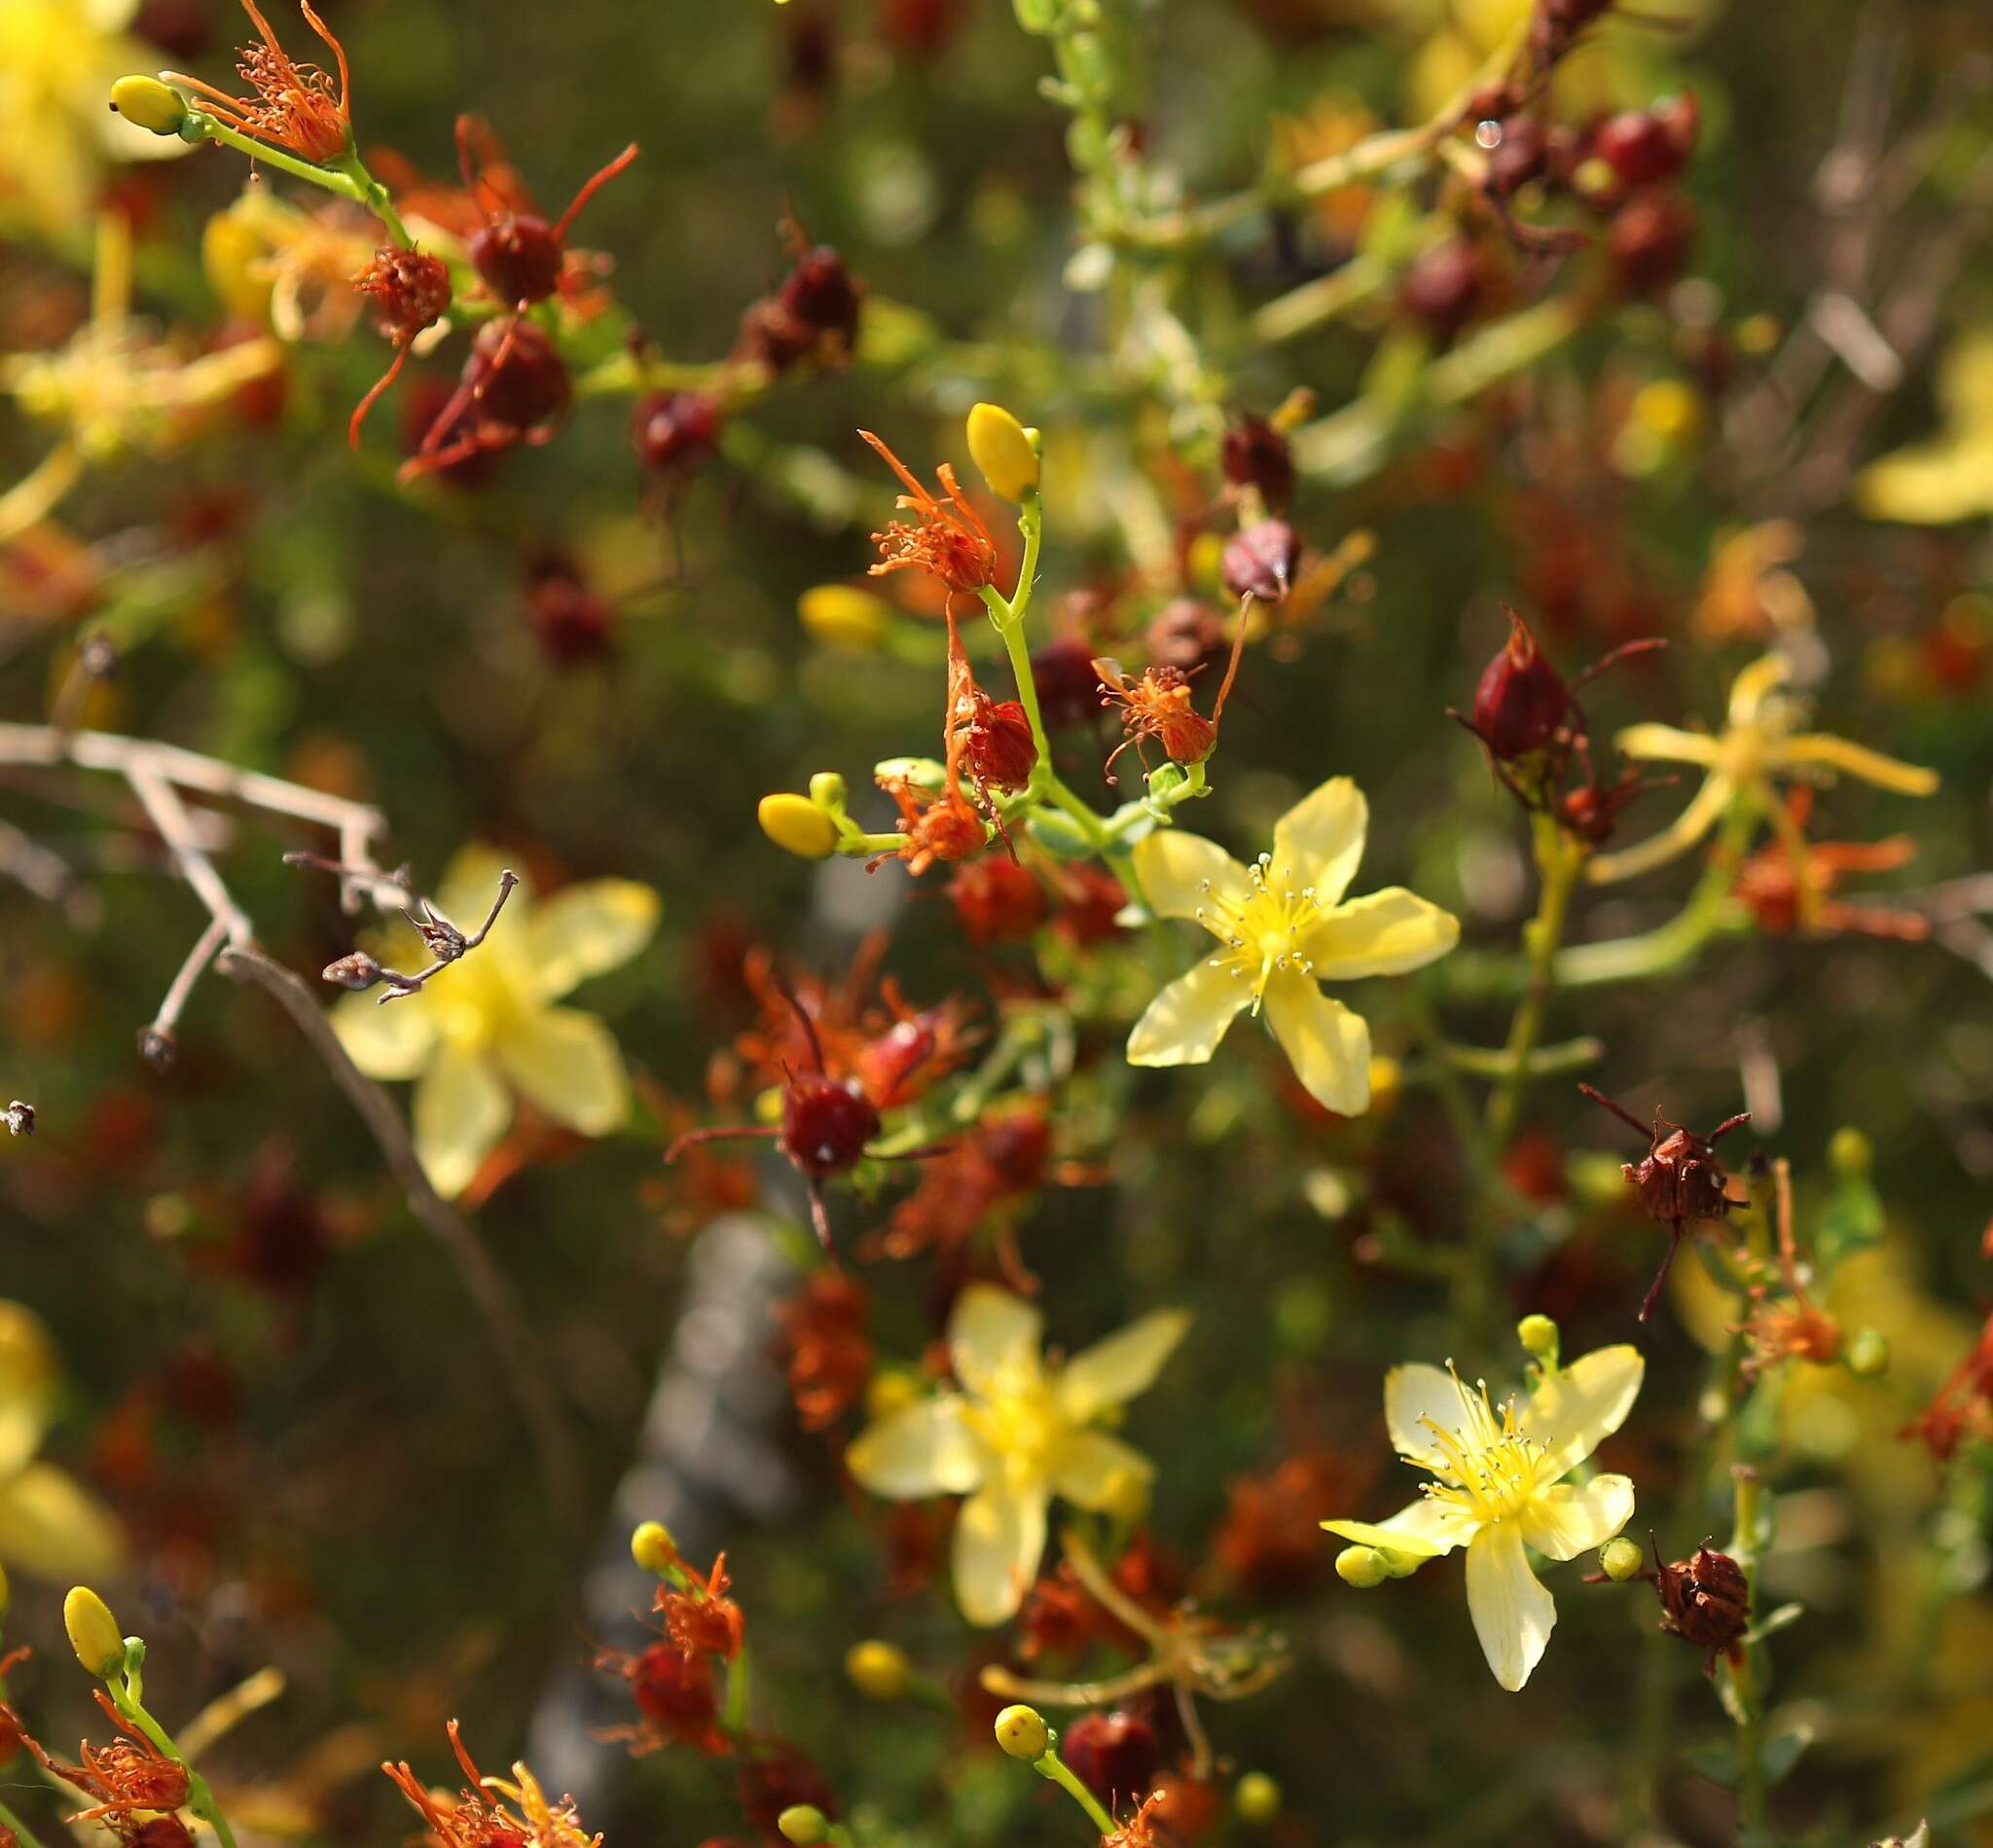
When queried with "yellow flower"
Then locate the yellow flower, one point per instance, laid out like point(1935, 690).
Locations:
point(51, 1526)
point(1020, 1432)
point(1284, 926)
point(1950, 477)
point(487, 1026)
point(1498, 1487)
point(57, 61)
point(1757, 744)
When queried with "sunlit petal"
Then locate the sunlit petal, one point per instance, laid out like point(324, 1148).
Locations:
point(1185, 1022)
point(567, 1062)
point(392, 1042)
point(1426, 1529)
point(992, 1333)
point(460, 1111)
point(588, 929)
point(1327, 1045)
point(1513, 1615)
point(999, 1538)
point(52, 1527)
point(1320, 841)
point(1095, 1471)
point(1388, 932)
point(1704, 809)
point(1124, 1364)
point(1414, 1395)
point(1580, 1405)
point(1855, 760)
point(1749, 690)
point(1568, 1518)
point(1173, 868)
point(922, 1450)
point(1667, 744)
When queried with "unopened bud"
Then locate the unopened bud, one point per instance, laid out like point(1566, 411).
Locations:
point(1539, 1336)
point(147, 103)
point(93, 1632)
point(358, 971)
point(1868, 1354)
point(159, 1047)
point(1023, 1733)
point(879, 1671)
point(889, 1391)
point(1521, 699)
point(1255, 455)
point(1621, 1559)
point(828, 792)
point(797, 825)
point(653, 1547)
point(802, 1823)
point(842, 616)
point(1256, 1798)
point(1850, 1153)
point(1362, 1567)
point(1003, 449)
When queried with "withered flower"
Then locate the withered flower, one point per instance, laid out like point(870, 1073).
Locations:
point(295, 105)
point(480, 1818)
point(947, 537)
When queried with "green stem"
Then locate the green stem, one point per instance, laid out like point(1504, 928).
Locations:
point(126, 1690)
point(735, 1718)
point(21, 1832)
point(1560, 859)
point(350, 179)
point(1053, 1766)
point(1747, 1672)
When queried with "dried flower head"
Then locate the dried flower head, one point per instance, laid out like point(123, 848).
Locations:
point(481, 1818)
point(947, 537)
point(295, 106)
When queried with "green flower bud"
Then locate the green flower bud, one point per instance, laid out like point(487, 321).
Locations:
point(827, 790)
point(1023, 1733)
point(148, 103)
point(1849, 1153)
point(1621, 1559)
point(93, 1632)
point(1363, 1567)
point(1868, 1354)
point(1256, 1798)
point(803, 1824)
point(1539, 1336)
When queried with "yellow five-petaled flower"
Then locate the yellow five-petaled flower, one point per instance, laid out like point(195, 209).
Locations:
point(487, 1026)
point(1755, 744)
point(1020, 1431)
point(1498, 1486)
point(1284, 928)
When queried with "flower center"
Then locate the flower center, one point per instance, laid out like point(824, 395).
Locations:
point(1490, 1467)
point(1018, 1421)
point(1264, 930)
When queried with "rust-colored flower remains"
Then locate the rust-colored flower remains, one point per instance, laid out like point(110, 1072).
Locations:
point(410, 291)
point(126, 1780)
point(699, 1617)
point(947, 537)
point(295, 106)
point(480, 1817)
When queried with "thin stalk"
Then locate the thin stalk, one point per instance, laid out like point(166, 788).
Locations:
point(1560, 860)
point(1054, 1767)
point(14, 1826)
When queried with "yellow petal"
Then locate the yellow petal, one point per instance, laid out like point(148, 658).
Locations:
point(461, 1110)
point(1426, 1529)
point(1704, 809)
point(1581, 1404)
point(991, 1332)
point(999, 1538)
point(1565, 1520)
point(1327, 1045)
point(1173, 868)
point(587, 929)
point(1319, 840)
point(1667, 745)
point(1857, 760)
point(394, 1041)
point(1414, 1393)
point(28, 1384)
point(922, 1450)
point(567, 1062)
point(1121, 1366)
point(1930, 483)
point(52, 1527)
point(1184, 1023)
point(1513, 1615)
point(1387, 933)
point(1749, 690)
point(470, 882)
point(1097, 1471)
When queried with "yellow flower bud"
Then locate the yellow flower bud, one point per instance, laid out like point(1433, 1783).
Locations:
point(653, 1547)
point(1023, 1733)
point(1387, 1082)
point(93, 1632)
point(1361, 1566)
point(1849, 1153)
point(797, 825)
point(1621, 1559)
point(842, 616)
point(1004, 451)
point(889, 1393)
point(1539, 1336)
point(1256, 1798)
point(802, 1823)
point(148, 103)
point(879, 1671)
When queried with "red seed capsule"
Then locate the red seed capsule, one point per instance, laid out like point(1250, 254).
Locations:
point(1650, 242)
point(673, 430)
point(1116, 1755)
point(1442, 288)
point(1521, 700)
point(1637, 146)
point(1260, 562)
point(996, 900)
point(825, 1124)
point(1068, 689)
point(1254, 454)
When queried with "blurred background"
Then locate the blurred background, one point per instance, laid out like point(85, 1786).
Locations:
point(272, 1376)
